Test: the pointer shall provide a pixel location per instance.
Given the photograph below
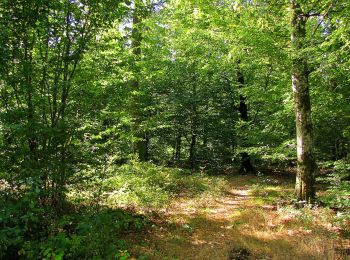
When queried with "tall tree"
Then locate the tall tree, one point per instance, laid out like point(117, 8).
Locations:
point(306, 166)
point(246, 165)
point(141, 143)
point(141, 10)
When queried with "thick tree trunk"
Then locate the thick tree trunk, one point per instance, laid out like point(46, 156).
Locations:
point(304, 187)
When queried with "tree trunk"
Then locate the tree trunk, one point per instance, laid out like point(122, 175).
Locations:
point(246, 165)
point(141, 144)
point(243, 108)
point(178, 148)
point(194, 125)
point(306, 166)
point(192, 150)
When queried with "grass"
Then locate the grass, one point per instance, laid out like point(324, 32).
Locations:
point(287, 232)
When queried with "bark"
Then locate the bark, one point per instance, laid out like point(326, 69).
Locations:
point(194, 125)
point(243, 108)
point(178, 148)
point(246, 165)
point(192, 150)
point(141, 144)
point(27, 69)
point(306, 166)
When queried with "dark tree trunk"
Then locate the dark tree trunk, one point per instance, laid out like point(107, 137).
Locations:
point(246, 165)
point(306, 165)
point(243, 108)
point(141, 147)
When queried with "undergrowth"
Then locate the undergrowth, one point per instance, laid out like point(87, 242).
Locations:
point(115, 202)
point(145, 185)
point(337, 194)
point(98, 213)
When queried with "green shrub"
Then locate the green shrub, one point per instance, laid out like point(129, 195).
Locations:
point(21, 218)
point(338, 181)
point(93, 234)
point(148, 185)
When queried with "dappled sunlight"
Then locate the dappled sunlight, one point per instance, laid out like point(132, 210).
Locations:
point(196, 216)
point(236, 221)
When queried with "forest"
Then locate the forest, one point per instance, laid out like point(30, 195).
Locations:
point(174, 129)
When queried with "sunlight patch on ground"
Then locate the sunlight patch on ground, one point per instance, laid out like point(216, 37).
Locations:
point(210, 227)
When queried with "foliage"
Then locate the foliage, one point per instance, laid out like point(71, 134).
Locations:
point(87, 233)
point(145, 185)
point(98, 234)
point(338, 181)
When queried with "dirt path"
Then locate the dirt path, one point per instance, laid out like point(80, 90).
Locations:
point(224, 227)
point(198, 228)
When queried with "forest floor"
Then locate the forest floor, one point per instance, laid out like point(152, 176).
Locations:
point(249, 220)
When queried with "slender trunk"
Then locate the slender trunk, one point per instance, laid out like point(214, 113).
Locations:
point(192, 150)
point(178, 148)
point(32, 140)
point(233, 108)
point(205, 141)
point(246, 165)
point(306, 166)
point(141, 144)
point(60, 179)
point(194, 122)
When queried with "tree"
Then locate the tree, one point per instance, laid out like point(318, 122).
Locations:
point(44, 45)
point(306, 166)
point(140, 11)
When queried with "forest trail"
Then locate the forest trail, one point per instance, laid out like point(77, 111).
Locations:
point(206, 227)
point(200, 229)
point(236, 225)
point(203, 228)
